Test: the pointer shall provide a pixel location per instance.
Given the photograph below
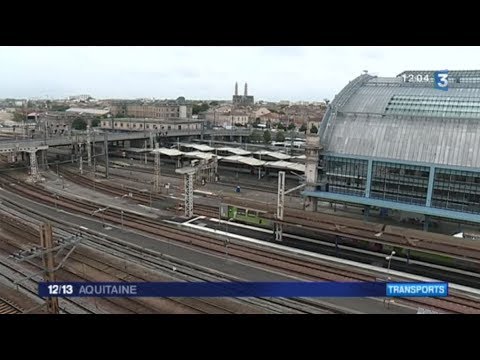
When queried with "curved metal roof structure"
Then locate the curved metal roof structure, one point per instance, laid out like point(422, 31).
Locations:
point(392, 118)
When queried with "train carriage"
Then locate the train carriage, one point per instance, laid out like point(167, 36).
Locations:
point(244, 215)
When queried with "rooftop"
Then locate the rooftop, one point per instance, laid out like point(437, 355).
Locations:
point(161, 120)
point(98, 112)
point(409, 121)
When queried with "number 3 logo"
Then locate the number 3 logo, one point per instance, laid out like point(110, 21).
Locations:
point(441, 80)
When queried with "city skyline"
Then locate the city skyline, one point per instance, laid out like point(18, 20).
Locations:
point(272, 73)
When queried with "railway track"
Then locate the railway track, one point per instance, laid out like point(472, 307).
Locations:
point(245, 184)
point(9, 307)
point(136, 195)
point(87, 265)
point(307, 269)
point(303, 303)
point(351, 228)
point(438, 244)
point(156, 261)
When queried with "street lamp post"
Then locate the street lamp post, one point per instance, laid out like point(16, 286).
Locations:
point(220, 197)
point(389, 259)
point(150, 196)
point(227, 240)
point(102, 210)
point(121, 211)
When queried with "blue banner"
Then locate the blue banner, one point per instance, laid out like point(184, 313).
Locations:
point(240, 289)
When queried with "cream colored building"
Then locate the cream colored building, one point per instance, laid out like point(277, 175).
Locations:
point(162, 125)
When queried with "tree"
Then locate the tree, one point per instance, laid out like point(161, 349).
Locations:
point(256, 136)
point(267, 137)
point(59, 107)
point(303, 128)
point(291, 126)
point(199, 108)
point(18, 116)
point(214, 103)
point(280, 137)
point(280, 126)
point(79, 124)
point(314, 129)
point(95, 122)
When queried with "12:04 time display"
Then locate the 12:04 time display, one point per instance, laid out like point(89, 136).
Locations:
point(60, 289)
point(415, 78)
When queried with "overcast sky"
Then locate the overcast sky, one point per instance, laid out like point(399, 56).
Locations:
point(272, 73)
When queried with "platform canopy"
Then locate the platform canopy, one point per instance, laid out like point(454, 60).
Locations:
point(199, 147)
point(200, 155)
point(186, 170)
point(136, 150)
point(273, 154)
point(168, 152)
point(285, 165)
point(300, 157)
point(235, 151)
point(243, 160)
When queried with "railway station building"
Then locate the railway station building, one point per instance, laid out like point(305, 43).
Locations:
point(398, 143)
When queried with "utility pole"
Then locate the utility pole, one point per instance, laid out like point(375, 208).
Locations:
point(46, 241)
point(311, 169)
point(94, 158)
point(189, 195)
point(156, 170)
point(188, 174)
point(106, 153)
point(89, 149)
point(46, 252)
point(280, 205)
point(145, 152)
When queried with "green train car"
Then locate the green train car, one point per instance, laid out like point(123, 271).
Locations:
point(244, 215)
point(255, 218)
point(419, 255)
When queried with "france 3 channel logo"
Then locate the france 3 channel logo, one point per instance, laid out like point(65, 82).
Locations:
point(441, 80)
